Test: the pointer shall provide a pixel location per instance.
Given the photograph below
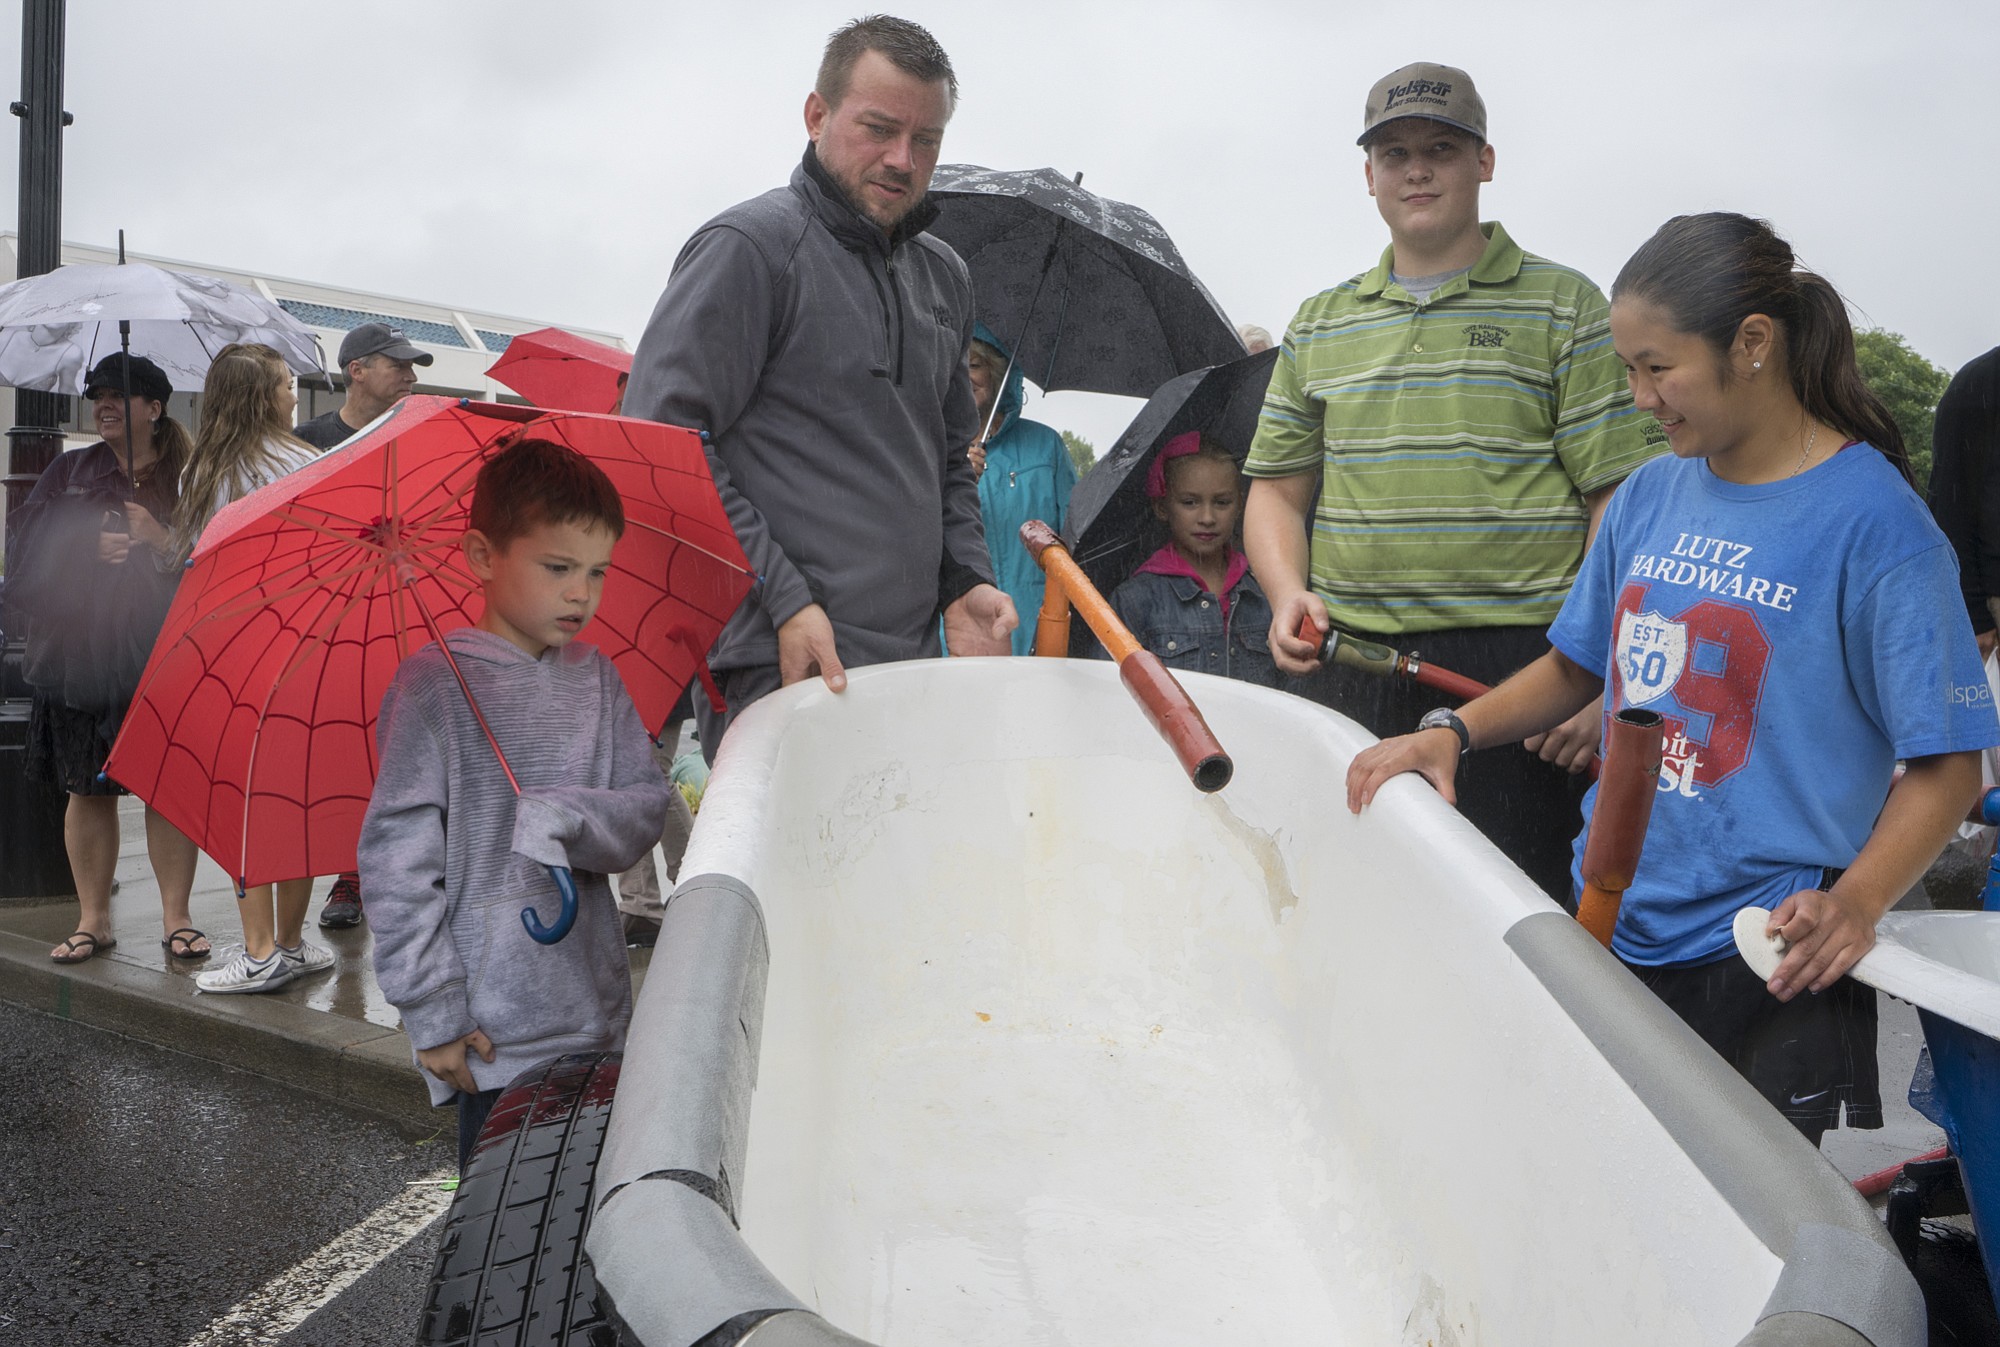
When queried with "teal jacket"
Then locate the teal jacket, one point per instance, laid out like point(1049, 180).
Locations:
point(1028, 476)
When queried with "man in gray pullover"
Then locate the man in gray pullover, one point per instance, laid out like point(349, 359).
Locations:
point(818, 336)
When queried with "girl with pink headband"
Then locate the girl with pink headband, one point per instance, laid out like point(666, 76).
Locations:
point(1194, 602)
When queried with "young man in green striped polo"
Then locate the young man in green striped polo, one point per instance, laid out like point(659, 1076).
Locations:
point(1439, 439)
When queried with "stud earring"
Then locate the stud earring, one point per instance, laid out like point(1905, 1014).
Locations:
point(1756, 364)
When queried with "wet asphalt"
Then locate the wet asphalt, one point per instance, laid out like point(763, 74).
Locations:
point(144, 1194)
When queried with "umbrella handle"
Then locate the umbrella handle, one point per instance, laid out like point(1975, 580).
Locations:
point(548, 935)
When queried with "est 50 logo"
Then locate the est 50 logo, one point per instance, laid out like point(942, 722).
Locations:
point(1652, 652)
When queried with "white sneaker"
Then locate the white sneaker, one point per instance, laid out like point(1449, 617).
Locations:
point(245, 974)
point(307, 958)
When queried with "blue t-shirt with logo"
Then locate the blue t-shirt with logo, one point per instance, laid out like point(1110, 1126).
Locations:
point(1799, 637)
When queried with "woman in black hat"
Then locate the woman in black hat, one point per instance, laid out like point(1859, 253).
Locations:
point(90, 562)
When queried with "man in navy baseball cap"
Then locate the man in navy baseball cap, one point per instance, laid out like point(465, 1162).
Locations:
point(381, 368)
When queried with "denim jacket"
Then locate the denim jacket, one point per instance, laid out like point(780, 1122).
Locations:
point(1176, 618)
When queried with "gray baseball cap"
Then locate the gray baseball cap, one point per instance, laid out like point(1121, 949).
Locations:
point(380, 339)
point(1442, 93)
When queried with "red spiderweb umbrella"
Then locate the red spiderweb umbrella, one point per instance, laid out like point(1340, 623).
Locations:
point(553, 368)
point(253, 730)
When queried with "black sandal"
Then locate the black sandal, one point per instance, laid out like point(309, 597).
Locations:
point(185, 938)
point(82, 948)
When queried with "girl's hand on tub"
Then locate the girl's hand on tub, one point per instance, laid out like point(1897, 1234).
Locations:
point(1824, 937)
point(1432, 754)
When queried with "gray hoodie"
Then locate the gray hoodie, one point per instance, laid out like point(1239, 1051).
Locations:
point(449, 857)
point(826, 361)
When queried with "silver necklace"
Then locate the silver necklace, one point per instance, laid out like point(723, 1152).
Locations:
point(1806, 452)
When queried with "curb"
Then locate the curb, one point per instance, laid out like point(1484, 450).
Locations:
point(347, 1062)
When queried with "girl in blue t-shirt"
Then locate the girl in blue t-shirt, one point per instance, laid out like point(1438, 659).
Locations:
point(1777, 592)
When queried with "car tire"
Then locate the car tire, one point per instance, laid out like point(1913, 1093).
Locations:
point(1953, 1277)
point(510, 1270)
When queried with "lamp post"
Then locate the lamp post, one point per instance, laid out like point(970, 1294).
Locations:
point(33, 862)
point(36, 439)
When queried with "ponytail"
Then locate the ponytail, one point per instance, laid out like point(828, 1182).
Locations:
point(1826, 378)
point(1708, 273)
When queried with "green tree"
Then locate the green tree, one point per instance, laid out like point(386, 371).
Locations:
point(1909, 384)
point(1083, 454)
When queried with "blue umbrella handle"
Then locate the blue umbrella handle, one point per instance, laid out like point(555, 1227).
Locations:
point(548, 935)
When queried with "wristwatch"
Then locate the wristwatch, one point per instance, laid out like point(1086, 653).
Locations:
point(1444, 718)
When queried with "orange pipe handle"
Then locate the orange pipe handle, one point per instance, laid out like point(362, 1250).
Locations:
point(1625, 792)
point(1052, 623)
point(1164, 700)
point(1061, 569)
point(1597, 912)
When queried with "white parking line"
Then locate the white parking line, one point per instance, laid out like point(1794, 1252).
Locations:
point(289, 1299)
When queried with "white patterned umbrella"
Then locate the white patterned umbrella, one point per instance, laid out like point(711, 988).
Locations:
point(55, 327)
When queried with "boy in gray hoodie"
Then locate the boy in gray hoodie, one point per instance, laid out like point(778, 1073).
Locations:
point(450, 856)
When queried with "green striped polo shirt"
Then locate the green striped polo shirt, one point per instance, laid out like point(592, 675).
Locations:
point(1455, 439)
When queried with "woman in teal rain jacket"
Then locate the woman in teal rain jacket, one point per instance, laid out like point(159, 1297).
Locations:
point(1024, 473)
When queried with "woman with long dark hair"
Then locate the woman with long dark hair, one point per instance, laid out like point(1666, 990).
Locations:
point(246, 442)
point(1778, 593)
point(90, 560)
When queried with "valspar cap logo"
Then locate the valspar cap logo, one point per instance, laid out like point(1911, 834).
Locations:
point(1652, 651)
point(1417, 91)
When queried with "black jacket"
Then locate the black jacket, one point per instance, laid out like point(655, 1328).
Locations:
point(91, 624)
point(1965, 480)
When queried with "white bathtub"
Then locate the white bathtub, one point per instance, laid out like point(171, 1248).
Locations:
point(1054, 1049)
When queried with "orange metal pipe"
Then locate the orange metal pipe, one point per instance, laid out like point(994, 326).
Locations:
point(1163, 699)
point(1625, 794)
point(1052, 623)
point(1063, 572)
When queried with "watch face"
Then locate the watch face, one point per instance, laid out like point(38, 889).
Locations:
point(1444, 718)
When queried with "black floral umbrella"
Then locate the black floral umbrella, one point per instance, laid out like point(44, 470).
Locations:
point(1110, 527)
point(1090, 292)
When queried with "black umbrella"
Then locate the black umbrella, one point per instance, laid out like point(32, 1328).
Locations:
point(1089, 293)
point(1111, 527)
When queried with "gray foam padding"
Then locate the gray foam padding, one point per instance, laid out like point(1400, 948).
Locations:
point(1853, 1280)
point(684, 1096)
point(1776, 1181)
point(799, 1330)
point(675, 1267)
point(682, 1113)
point(1802, 1330)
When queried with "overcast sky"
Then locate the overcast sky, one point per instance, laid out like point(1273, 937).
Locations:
point(548, 160)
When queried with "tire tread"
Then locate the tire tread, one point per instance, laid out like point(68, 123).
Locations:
point(510, 1269)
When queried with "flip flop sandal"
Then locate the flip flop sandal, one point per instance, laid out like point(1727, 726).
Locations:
point(82, 947)
point(180, 945)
